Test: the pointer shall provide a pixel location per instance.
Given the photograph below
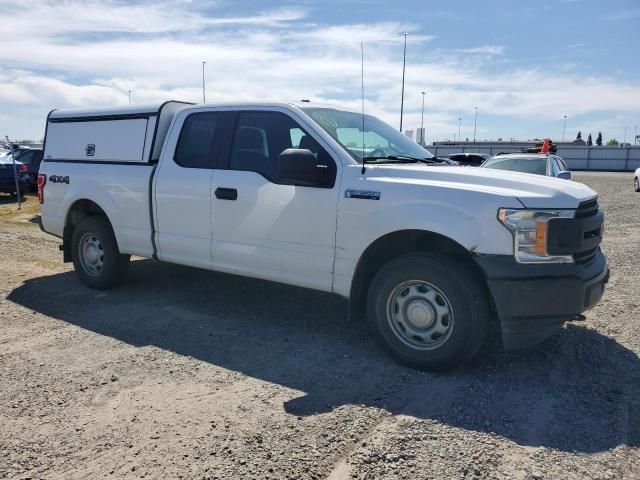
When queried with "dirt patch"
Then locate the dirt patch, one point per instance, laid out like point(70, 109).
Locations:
point(183, 373)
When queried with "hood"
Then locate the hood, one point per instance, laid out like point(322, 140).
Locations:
point(533, 191)
point(7, 159)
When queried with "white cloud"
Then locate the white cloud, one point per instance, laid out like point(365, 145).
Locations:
point(92, 53)
point(484, 49)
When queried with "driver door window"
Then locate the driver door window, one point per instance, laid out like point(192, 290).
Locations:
point(261, 137)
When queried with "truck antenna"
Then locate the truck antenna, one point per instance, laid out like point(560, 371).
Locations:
point(362, 85)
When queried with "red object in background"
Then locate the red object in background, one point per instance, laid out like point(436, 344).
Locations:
point(546, 146)
point(42, 180)
point(24, 169)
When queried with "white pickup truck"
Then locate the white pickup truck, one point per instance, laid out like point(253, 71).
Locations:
point(328, 199)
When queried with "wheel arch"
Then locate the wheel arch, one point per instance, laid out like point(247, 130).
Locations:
point(77, 211)
point(397, 243)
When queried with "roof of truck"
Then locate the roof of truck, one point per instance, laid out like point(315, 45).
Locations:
point(110, 111)
point(153, 108)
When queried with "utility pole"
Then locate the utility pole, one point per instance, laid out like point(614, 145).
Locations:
point(475, 125)
point(459, 126)
point(422, 121)
point(204, 96)
point(564, 126)
point(129, 97)
point(404, 65)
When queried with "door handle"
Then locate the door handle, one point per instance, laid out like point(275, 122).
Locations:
point(226, 193)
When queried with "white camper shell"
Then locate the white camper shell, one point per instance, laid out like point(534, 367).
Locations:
point(132, 134)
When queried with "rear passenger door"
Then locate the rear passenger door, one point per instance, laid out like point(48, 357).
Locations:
point(270, 227)
point(183, 189)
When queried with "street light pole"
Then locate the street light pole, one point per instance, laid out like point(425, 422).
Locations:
point(129, 97)
point(404, 65)
point(459, 126)
point(204, 96)
point(564, 126)
point(475, 125)
point(422, 120)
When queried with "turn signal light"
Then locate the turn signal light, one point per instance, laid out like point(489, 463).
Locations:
point(542, 228)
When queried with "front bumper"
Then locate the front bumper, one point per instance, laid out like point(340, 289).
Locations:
point(533, 301)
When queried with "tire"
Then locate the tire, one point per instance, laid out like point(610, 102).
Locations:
point(429, 311)
point(95, 254)
point(16, 195)
point(636, 184)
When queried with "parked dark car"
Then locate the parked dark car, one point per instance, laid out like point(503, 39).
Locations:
point(447, 161)
point(7, 179)
point(470, 159)
point(31, 159)
point(536, 163)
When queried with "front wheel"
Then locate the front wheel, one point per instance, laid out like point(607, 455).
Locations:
point(428, 310)
point(636, 184)
point(95, 254)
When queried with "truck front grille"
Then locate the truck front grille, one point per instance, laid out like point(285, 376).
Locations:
point(587, 208)
point(580, 236)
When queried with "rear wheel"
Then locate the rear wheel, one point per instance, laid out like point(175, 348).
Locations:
point(95, 254)
point(636, 184)
point(429, 311)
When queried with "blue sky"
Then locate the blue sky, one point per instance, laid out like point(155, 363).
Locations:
point(523, 66)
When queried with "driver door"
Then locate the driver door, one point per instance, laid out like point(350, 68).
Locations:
point(266, 227)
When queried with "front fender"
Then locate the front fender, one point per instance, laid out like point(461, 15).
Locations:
point(360, 224)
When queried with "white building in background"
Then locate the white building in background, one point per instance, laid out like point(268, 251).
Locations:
point(420, 139)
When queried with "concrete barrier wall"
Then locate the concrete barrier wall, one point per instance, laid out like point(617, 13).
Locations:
point(625, 159)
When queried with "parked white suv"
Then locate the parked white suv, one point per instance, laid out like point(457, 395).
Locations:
point(430, 254)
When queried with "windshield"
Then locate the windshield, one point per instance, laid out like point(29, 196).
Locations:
point(537, 165)
point(380, 139)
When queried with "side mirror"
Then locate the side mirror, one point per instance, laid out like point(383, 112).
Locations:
point(565, 175)
point(298, 166)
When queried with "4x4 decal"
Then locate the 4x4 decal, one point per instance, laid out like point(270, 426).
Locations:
point(59, 179)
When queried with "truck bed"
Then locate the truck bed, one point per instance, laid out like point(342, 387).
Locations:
point(122, 192)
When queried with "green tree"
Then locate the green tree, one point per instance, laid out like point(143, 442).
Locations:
point(599, 139)
point(612, 142)
point(579, 136)
point(589, 140)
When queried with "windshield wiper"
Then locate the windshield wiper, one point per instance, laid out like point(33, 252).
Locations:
point(403, 159)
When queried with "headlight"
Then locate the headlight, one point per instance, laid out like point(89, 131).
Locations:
point(529, 229)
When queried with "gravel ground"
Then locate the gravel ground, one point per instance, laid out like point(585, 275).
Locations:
point(184, 373)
